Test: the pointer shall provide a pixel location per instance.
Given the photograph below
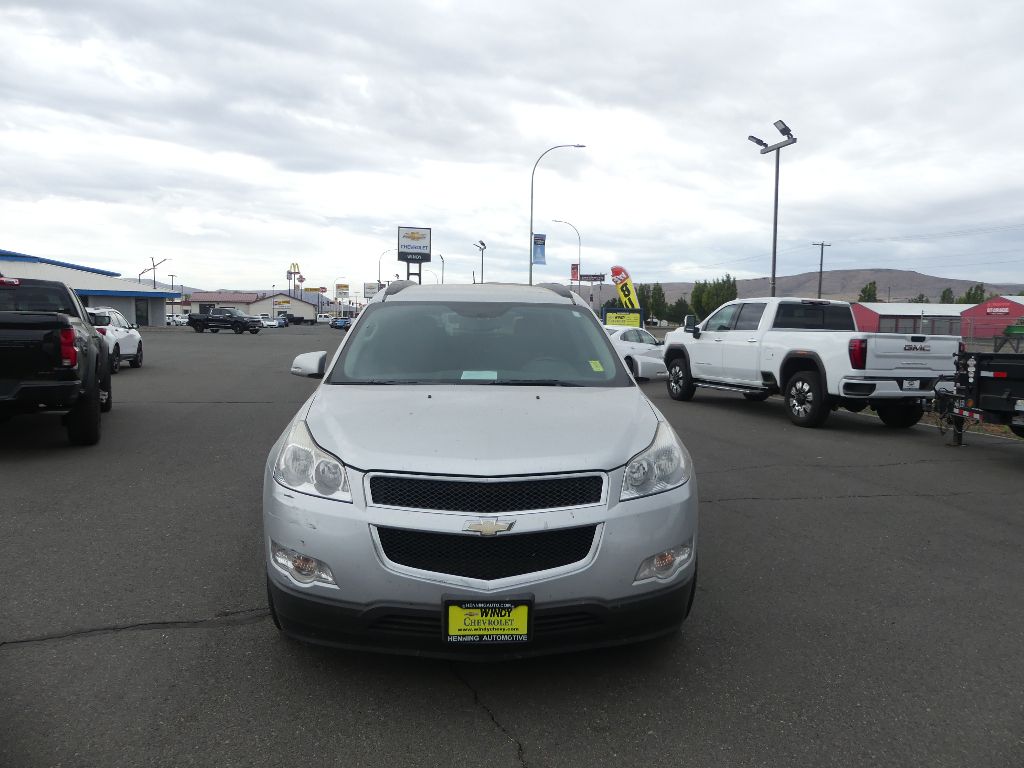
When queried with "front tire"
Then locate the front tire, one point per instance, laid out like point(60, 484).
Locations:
point(806, 401)
point(900, 415)
point(115, 360)
point(254, 331)
point(198, 328)
point(136, 362)
point(238, 328)
point(215, 330)
point(680, 382)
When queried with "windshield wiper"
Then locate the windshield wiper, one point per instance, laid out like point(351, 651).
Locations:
point(534, 383)
point(384, 381)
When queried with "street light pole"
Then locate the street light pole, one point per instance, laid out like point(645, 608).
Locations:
point(389, 250)
point(579, 252)
point(481, 246)
point(442, 267)
point(172, 291)
point(765, 149)
point(532, 174)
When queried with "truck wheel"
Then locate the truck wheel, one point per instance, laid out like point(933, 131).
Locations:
point(84, 419)
point(1017, 429)
point(136, 362)
point(757, 397)
point(631, 367)
point(900, 415)
point(680, 382)
point(115, 359)
point(215, 330)
point(198, 328)
point(806, 403)
point(106, 393)
point(237, 328)
point(254, 331)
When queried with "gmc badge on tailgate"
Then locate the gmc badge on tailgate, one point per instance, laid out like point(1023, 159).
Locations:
point(916, 348)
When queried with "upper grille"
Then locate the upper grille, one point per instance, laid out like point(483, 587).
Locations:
point(475, 496)
point(486, 557)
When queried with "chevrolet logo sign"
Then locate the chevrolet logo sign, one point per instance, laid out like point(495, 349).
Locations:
point(489, 527)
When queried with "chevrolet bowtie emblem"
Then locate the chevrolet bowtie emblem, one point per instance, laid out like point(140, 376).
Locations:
point(489, 527)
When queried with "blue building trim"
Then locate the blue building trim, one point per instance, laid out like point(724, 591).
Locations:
point(136, 294)
point(13, 256)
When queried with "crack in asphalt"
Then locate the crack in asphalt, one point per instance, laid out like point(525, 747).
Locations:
point(520, 750)
point(221, 619)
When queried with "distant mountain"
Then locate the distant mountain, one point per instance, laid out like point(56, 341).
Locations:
point(840, 284)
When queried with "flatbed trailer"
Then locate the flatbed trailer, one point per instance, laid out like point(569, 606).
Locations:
point(987, 388)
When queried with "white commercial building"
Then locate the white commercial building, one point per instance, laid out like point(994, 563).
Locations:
point(140, 304)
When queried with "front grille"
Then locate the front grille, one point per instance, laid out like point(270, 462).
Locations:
point(479, 497)
point(486, 557)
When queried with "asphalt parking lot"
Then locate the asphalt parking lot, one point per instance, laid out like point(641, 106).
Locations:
point(860, 600)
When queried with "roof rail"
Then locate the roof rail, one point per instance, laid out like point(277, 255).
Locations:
point(396, 287)
point(558, 288)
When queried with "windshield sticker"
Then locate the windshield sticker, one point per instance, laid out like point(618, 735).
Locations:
point(479, 375)
point(596, 366)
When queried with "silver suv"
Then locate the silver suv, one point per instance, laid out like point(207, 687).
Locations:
point(477, 475)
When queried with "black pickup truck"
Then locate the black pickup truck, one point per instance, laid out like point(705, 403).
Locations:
point(51, 358)
point(225, 318)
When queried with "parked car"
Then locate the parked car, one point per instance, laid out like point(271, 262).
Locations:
point(490, 520)
point(51, 357)
point(267, 320)
point(809, 351)
point(639, 350)
point(282, 321)
point(220, 318)
point(323, 317)
point(124, 342)
point(343, 323)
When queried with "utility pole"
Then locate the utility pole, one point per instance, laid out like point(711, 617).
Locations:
point(172, 291)
point(821, 262)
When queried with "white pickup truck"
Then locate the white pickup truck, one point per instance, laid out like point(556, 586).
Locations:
point(810, 351)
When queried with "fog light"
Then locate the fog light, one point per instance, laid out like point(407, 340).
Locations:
point(665, 564)
point(303, 568)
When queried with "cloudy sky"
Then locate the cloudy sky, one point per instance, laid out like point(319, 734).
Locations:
point(234, 138)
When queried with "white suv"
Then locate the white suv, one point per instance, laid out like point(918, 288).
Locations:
point(124, 342)
point(487, 519)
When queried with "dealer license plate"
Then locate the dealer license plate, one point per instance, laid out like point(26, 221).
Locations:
point(911, 384)
point(487, 621)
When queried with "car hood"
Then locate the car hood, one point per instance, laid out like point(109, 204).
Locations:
point(481, 430)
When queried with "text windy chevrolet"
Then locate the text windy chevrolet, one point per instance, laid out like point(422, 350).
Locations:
point(477, 475)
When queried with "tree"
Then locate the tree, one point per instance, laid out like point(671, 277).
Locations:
point(921, 299)
point(869, 292)
point(659, 304)
point(677, 311)
point(643, 297)
point(709, 295)
point(612, 303)
point(947, 296)
point(974, 295)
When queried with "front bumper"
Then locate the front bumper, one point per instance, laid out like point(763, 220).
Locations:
point(381, 605)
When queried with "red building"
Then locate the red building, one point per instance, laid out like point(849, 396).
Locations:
point(906, 317)
point(991, 317)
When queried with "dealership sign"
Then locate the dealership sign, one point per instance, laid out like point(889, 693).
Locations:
point(414, 244)
point(370, 290)
point(592, 278)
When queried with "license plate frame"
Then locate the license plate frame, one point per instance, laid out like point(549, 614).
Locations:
point(503, 621)
point(912, 385)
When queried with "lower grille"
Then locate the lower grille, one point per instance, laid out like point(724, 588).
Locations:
point(488, 558)
point(482, 497)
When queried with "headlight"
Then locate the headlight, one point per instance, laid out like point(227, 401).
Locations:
point(661, 466)
point(305, 467)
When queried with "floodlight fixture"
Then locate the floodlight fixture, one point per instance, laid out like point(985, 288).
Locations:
point(783, 128)
point(757, 141)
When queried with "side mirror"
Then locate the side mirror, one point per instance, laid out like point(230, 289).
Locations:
point(311, 365)
point(659, 343)
point(690, 326)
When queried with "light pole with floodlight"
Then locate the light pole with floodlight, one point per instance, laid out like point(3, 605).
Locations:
point(765, 149)
point(389, 250)
point(532, 174)
point(481, 246)
point(442, 267)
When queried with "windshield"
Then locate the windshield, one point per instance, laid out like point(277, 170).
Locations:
point(478, 343)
